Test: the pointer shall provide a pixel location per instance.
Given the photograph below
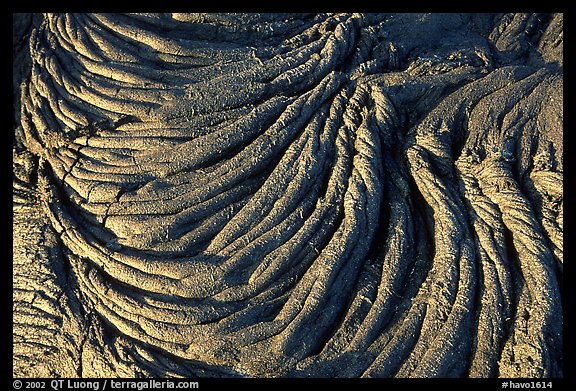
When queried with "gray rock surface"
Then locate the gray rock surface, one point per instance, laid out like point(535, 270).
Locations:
point(288, 195)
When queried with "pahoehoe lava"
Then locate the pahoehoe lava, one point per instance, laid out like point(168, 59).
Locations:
point(288, 195)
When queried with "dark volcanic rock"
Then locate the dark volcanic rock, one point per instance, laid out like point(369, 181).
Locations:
point(333, 195)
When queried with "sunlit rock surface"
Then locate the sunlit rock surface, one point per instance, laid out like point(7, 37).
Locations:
point(288, 195)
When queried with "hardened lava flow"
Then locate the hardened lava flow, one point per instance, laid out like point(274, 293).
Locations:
point(288, 195)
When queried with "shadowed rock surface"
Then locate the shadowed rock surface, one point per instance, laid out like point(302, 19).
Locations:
point(335, 195)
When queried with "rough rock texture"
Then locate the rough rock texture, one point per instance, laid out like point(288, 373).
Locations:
point(337, 195)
